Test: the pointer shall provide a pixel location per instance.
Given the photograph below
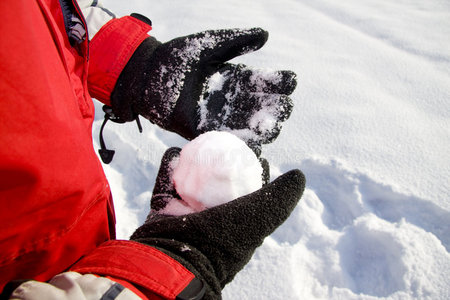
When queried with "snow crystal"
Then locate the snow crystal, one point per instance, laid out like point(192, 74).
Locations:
point(215, 82)
point(185, 248)
point(263, 120)
point(261, 78)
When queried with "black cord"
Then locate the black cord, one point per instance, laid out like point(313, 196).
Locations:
point(105, 154)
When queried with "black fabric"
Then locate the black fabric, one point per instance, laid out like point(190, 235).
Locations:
point(131, 82)
point(164, 189)
point(166, 83)
point(194, 291)
point(67, 11)
point(73, 23)
point(142, 18)
point(216, 243)
point(249, 95)
point(113, 292)
point(184, 119)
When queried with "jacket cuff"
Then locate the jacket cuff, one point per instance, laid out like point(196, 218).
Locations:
point(147, 268)
point(110, 50)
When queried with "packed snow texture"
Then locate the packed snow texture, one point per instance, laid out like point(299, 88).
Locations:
point(370, 129)
point(215, 168)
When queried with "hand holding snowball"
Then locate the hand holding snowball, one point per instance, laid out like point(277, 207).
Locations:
point(217, 242)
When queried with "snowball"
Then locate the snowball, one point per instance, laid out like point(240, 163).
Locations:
point(215, 168)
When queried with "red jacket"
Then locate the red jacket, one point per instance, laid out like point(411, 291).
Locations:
point(55, 200)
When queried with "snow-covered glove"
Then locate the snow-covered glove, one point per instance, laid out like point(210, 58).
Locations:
point(186, 86)
point(216, 243)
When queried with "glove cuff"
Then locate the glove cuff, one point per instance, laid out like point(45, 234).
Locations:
point(191, 258)
point(110, 50)
point(150, 270)
point(131, 82)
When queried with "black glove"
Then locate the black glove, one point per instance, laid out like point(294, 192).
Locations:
point(186, 86)
point(216, 243)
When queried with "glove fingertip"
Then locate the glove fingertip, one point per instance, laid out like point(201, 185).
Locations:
point(257, 37)
point(170, 154)
point(298, 178)
point(260, 35)
point(286, 107)
point(290, 82)
point(238, 42)
point(293, 182)
point(163, 183)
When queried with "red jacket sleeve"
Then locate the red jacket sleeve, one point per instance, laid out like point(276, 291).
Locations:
point(155, 274)
point(110, 50)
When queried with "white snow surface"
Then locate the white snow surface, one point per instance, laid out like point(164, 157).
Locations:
point(215, 168)
point(370, 129)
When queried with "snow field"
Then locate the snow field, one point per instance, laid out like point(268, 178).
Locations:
point(341, 242)
point(370, 129)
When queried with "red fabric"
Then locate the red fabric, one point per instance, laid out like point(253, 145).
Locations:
point(123, 35)
point(145, 267)
point(54, 196)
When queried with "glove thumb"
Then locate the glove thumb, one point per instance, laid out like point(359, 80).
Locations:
point(234, 42)
point(164, 190)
